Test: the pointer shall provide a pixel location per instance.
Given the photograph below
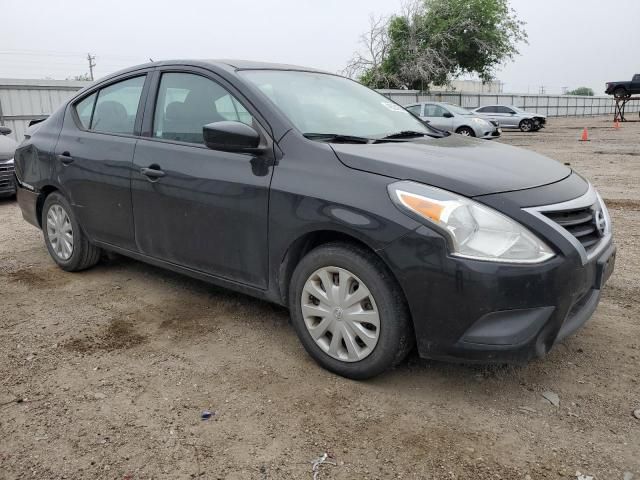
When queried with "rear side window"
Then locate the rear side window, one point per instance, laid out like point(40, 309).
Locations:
point(486, 109)
point(84, 109)
point(187, 102)
point(434, 111)
point(117, 106)
point(415, 109)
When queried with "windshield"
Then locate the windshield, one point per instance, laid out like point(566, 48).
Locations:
point(319, 103)
point(458, 110)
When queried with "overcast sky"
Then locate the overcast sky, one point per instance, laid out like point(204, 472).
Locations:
point(571, 42)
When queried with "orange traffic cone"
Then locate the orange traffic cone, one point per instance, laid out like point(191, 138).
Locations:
point(585, 135)
point(616, 124)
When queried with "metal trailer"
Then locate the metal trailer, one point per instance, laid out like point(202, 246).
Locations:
point(24, 100)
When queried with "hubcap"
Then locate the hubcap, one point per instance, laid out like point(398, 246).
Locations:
point(340, 314)
point(465, 133)
point(59, 232)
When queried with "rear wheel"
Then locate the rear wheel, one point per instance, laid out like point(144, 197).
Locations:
point(466, 131)
point(349, 312)
point(526, 125)
point(67, 244)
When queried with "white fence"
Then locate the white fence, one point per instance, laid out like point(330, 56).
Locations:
point(24, 100)
point(550, 105)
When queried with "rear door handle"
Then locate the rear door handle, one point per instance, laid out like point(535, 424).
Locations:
point(65, 158)
point(152, 172)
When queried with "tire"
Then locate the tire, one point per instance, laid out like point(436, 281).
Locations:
point(466, 132)
point(368, 274)
point(81, 254)
point(526, 125)
point(620, 92)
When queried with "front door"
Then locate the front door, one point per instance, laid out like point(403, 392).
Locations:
point(196, 207)
point(93, 159)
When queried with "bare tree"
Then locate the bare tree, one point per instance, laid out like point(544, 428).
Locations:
point(418, 62)
point(375, 45)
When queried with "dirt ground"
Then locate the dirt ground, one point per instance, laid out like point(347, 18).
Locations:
point(105, 373)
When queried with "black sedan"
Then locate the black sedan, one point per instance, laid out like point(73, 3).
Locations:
point(309, 190)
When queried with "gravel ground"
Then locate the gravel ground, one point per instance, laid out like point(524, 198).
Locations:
point(105, 373)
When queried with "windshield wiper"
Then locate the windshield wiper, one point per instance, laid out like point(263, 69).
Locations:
point(405, 134)
point(337, 137)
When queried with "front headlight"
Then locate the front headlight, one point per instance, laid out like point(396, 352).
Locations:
point(9, 162)
point(479, 121)
point(475, 230)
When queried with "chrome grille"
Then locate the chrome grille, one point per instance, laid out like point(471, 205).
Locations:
point(6, 176)
point(580, 223)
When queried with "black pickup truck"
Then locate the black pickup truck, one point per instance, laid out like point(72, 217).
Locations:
point(624, 89)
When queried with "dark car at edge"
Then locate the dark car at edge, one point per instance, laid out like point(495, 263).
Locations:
point(7, 150)
point(309, 190)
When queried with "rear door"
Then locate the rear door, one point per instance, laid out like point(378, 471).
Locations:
point(196, 207)
point(436, 116)
point(489, 113)
point(94, 155)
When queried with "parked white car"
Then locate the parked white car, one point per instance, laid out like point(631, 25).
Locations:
point(453, 118)
point(509, 116)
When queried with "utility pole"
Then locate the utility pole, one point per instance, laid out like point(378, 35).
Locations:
point(92, 64)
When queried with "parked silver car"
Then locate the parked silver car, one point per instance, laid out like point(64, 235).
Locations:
point(453, 118)
point(509, 116)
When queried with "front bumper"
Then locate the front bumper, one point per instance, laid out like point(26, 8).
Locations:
point(489, 133)
point(489, 312)
point(7, 180)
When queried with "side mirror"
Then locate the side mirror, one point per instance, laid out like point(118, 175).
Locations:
point(447, 115)
point(5, 130)
point(231, 137)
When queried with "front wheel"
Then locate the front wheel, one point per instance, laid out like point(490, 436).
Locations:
point(620, 92)
point(67, 244)
point(466, 132)
point(526, 125)
point(348, 311)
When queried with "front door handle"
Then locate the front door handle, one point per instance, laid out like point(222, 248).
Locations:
point(152, 172)
point(65, 158)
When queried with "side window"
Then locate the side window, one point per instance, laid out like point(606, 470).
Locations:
point(187, 102)
point(117, 107)
point(485, 110)
point(84, 109)
point(505, 110)
point(434, 111)
point(415, 109)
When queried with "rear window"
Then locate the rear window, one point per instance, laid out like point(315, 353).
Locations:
point(415, 109)
point(84, 109)
point(112, 109)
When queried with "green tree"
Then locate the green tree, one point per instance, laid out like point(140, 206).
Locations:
point(433, 41)
point(584, 91)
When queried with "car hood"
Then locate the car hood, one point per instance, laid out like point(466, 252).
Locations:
point(7, 147)
point(467, 166)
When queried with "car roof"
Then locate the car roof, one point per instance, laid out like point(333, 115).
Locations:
point(224, 64)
